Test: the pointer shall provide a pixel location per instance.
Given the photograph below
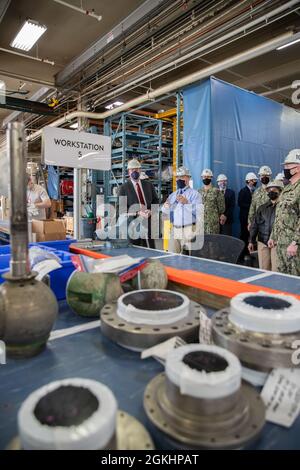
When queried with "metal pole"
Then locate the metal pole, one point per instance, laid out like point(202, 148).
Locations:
point(178, 134)
point(77, 203)
point(106, 174)
point(124, 144)
point(19, 263)
point(160, 126)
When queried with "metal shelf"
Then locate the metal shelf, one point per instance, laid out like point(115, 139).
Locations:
point(119, 151)
point(131, 135)
point(149, 132)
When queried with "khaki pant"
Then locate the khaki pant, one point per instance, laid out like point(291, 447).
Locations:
point(181, 238)
point(267, 258)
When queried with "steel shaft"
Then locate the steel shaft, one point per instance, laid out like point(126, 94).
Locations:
point(19, 263)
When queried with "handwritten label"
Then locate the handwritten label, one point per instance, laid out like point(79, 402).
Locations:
point(281, 395)
point(205, 336)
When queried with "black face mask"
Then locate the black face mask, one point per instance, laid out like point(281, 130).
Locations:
point(287, 173)
point(206, 181)
point(254, 184)
point(265, 180)
point(180, 184)
point(135, 175)
point(273, 195)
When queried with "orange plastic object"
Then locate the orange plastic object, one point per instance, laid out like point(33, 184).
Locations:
point(214, 284)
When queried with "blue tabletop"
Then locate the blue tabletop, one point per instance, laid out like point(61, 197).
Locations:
point(88, 354)
point(281, 282)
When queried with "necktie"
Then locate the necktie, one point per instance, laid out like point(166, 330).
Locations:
point(140, 195)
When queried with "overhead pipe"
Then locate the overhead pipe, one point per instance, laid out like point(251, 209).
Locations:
point(158, 45)
point(38, 59)
point(146, 9)
point(242, 29)
point(237, 59)
point(25, 78)
point(90, 13)
point(186, 58)
point(277, 90)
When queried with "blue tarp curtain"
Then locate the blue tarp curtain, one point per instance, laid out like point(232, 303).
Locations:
point(53, 182)
point(197, 138)
point(234, 131)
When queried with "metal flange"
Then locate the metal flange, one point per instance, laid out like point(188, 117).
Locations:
point(260, 351)
point(238, 422)
point(140, 336)
point(77, 414)
point(130, 435)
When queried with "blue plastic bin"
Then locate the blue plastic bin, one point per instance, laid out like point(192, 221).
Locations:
point(59, 277)
point(62, 245)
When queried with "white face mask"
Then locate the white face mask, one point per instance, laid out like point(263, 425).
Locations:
point(222, 185)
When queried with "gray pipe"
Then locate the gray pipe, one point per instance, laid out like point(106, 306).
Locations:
point(19, 263)
point(201, 74)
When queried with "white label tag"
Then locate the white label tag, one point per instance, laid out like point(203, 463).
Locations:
point(205, 329)
point(161, 350)
point(281, 395)
point(45, 267)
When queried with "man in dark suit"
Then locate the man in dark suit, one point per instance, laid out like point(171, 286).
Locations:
point(140, 196)
point(226, 219)
point(244, 202)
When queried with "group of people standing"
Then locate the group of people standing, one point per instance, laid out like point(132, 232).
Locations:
point(269, 215)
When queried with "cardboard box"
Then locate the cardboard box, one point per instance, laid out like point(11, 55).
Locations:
point(56, 207)
point(69, 224)
point(48, 230)
point(47, 237)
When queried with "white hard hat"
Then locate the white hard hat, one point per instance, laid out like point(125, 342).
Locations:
point(279, 177)
point(265, 171)
point(275, 184)
point(134, 163)
point(250, 176)
point(222, 178)
point(183, 171)
point(207, 172)
point(293, 157)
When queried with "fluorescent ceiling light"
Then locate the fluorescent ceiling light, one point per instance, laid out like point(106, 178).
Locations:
point(288, 44)
point(28, 35)
point(74, 126)
point(114, 105)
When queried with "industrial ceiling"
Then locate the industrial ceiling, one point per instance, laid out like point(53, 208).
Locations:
point(140, 45)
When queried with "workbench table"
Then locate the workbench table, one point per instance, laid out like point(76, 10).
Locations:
point(77, 349)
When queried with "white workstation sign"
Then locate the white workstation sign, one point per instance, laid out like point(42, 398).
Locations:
point(64, 147)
